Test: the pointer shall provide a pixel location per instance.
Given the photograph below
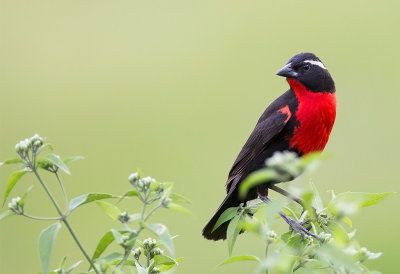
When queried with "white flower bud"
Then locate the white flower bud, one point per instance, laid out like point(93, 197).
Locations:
point(158, 251)
point(15, 206)
point(325, 237)
point(149, 243)
point(147, 180)
point(124, 217)
point(18, 147)
point(133, 177)
point(123, 240)
point(136, 253)
point(271, 236)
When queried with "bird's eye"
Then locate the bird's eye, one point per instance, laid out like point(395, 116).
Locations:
point(306, 67)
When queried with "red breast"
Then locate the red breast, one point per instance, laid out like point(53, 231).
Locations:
point(315, 114)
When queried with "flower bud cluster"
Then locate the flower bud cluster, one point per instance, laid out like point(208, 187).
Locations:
point(271, 236)
point(285, 162)
point(32, 143)
point(124, 241)
point(150, 249)
point(149, 244)
point(166, 201)
point(15, 206)
point(141, 184)
point(124, 217)
point(325, 237)
point(323, 219)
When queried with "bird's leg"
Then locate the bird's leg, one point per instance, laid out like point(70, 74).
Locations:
point(298, 227)
point(294, 198)
point(287, 194)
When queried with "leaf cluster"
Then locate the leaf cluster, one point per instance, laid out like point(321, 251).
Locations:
point(148, 256)
point(334, 249)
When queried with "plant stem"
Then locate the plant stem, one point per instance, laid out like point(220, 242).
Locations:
point(41, 218)
point(64, 220)
point(48, 193)
point(144, 207)
point(121, 263)
point(151, 212)
point(79, 245)
point(266, 255)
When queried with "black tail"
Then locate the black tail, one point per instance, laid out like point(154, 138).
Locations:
point(231, 200)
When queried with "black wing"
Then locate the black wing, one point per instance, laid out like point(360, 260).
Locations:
point(270, 125)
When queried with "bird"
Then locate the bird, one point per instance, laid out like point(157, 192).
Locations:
point(299, 121)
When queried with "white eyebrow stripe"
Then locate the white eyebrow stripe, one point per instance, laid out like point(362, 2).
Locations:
point(317, 63)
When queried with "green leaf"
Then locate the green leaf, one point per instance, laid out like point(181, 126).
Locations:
point(167, 267)
point(163, 260)
point(46, 242)
point(311, 161)
point(116, 234)
point(232, 232)
point(56, 160)
point(339, 235)
point(332, 255)
point(256, 178)
point(316, 201)
point(130, 193)
point(72, 267)
point(348, 202)
point(110, 209)
point(177, 198)
point(23, 198)
point(142, 270)
point(62, 264)
point(227, 215)
point(49, 146)
point(71, 159)
point(240, 258)
point(178, 208)
point(165, 238)
point(104, 242)
point(348, 221)
point(11, 161)
point(87, 198)
point(12, 180)
point(5, 214)
point(110, 258)
point(277, 262)
point(272, 210)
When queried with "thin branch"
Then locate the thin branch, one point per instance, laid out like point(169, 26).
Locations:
point(41, 218)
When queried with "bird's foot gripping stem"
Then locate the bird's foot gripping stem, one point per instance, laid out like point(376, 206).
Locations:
point(295, 226)
point(298, 227)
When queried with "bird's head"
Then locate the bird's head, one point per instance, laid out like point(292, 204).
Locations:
point(307, 69)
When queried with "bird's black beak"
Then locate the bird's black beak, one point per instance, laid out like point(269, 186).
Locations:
point(287, 71)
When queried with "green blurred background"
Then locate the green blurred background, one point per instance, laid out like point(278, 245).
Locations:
point(174, 88)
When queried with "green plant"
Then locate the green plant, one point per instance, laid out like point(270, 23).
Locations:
point(146, 256)
point(333, 249)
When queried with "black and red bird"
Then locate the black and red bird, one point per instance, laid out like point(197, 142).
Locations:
point(300, 120)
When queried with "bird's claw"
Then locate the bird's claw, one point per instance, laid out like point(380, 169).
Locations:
point(299, 228)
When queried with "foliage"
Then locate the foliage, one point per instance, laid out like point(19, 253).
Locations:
point(146, 256)
point(333, 247)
